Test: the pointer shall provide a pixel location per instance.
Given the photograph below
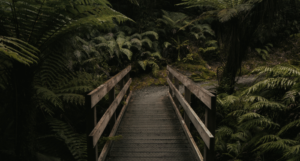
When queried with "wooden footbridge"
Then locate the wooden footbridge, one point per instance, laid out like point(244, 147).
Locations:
point(152, 129)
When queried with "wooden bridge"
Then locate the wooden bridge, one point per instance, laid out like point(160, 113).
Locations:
point(152, 129)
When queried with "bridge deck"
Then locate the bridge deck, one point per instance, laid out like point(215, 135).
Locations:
point(151, 132)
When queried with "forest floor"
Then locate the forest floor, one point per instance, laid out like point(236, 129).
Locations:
point(206, 75)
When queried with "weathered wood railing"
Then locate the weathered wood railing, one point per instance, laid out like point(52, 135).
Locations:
point(94, 128)
point(206, 131)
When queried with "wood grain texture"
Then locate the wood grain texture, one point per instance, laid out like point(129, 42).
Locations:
point(201, 93)
point(198, 124)
point(187, 131)
point(114, 130)
point(151, 132)
point(101, 125)
point(98, 93)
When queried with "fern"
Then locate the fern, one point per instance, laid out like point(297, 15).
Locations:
point(49, 95)
point(290, 125)
point(18, 50)
point(281, 144)
point(252, 119)
point(224, 131)
point(223, 9)
point(272, 106)
point(270, 83)
point(253, 99)
point(75, 142)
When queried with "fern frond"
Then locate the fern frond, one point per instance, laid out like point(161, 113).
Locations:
point(228, 100)
point(243, 136)
point(75, 142)
point(166, 44)
point(290, 96)
point(268, 138)
point(251, 119)
point(155, 34)
point(49, 95)
point(237, 113)
point(142, 64)
point(136, 35)
point(253, 99)
point(268, 105)
point(290, 125)
point(281, 144)
point(18, 50)
point(148, 41)
point(127, 52)
point(234, 147)
point(72, 98)
point(224, 131)
point(278, 70)
point(270, 83)
point(76, 89)
point(292, 154)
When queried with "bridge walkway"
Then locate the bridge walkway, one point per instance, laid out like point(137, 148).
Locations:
point(151, 131)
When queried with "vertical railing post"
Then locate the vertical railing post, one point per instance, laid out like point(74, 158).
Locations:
point(210, 123)
point(112, 96)
point(121, 85)
point(170, 77)
point(176, 84)
point(187, 96)
point(91, 121)
point(127, 79)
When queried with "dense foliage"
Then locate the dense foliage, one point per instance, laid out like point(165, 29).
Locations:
point(54, 51)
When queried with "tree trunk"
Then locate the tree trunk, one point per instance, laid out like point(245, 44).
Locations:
point(236, 52)
point(25, 113)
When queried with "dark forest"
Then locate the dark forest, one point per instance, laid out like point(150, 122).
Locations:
point(54, 52)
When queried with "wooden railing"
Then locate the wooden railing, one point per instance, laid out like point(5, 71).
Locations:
point(207, 130)
point(94, 128)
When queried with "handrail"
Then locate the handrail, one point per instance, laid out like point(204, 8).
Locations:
point(206, 131)
point(94, 128)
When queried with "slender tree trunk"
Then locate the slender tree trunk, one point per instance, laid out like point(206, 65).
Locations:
point(236, 52)
point(25, 114)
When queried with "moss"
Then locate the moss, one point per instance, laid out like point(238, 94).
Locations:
point(148, 80)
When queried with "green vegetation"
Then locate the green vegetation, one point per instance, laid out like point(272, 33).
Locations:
point(53, 52)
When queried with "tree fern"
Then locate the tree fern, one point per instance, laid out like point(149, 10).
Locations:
point(18, 50)
point(225, 10)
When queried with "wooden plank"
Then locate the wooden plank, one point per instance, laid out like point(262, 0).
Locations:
point(98, 93)
point(204, 95)
point(199, 125)
point(98, 130)
point(191, 140)
point(114, 130)
point(210, 123)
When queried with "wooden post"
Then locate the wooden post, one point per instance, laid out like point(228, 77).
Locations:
point(210, 123)
point(187, 96)
point(112, 97)
point(121, 84)
point(127, 79)
point(176, 84)
point(171, 78)
point(91, 121)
